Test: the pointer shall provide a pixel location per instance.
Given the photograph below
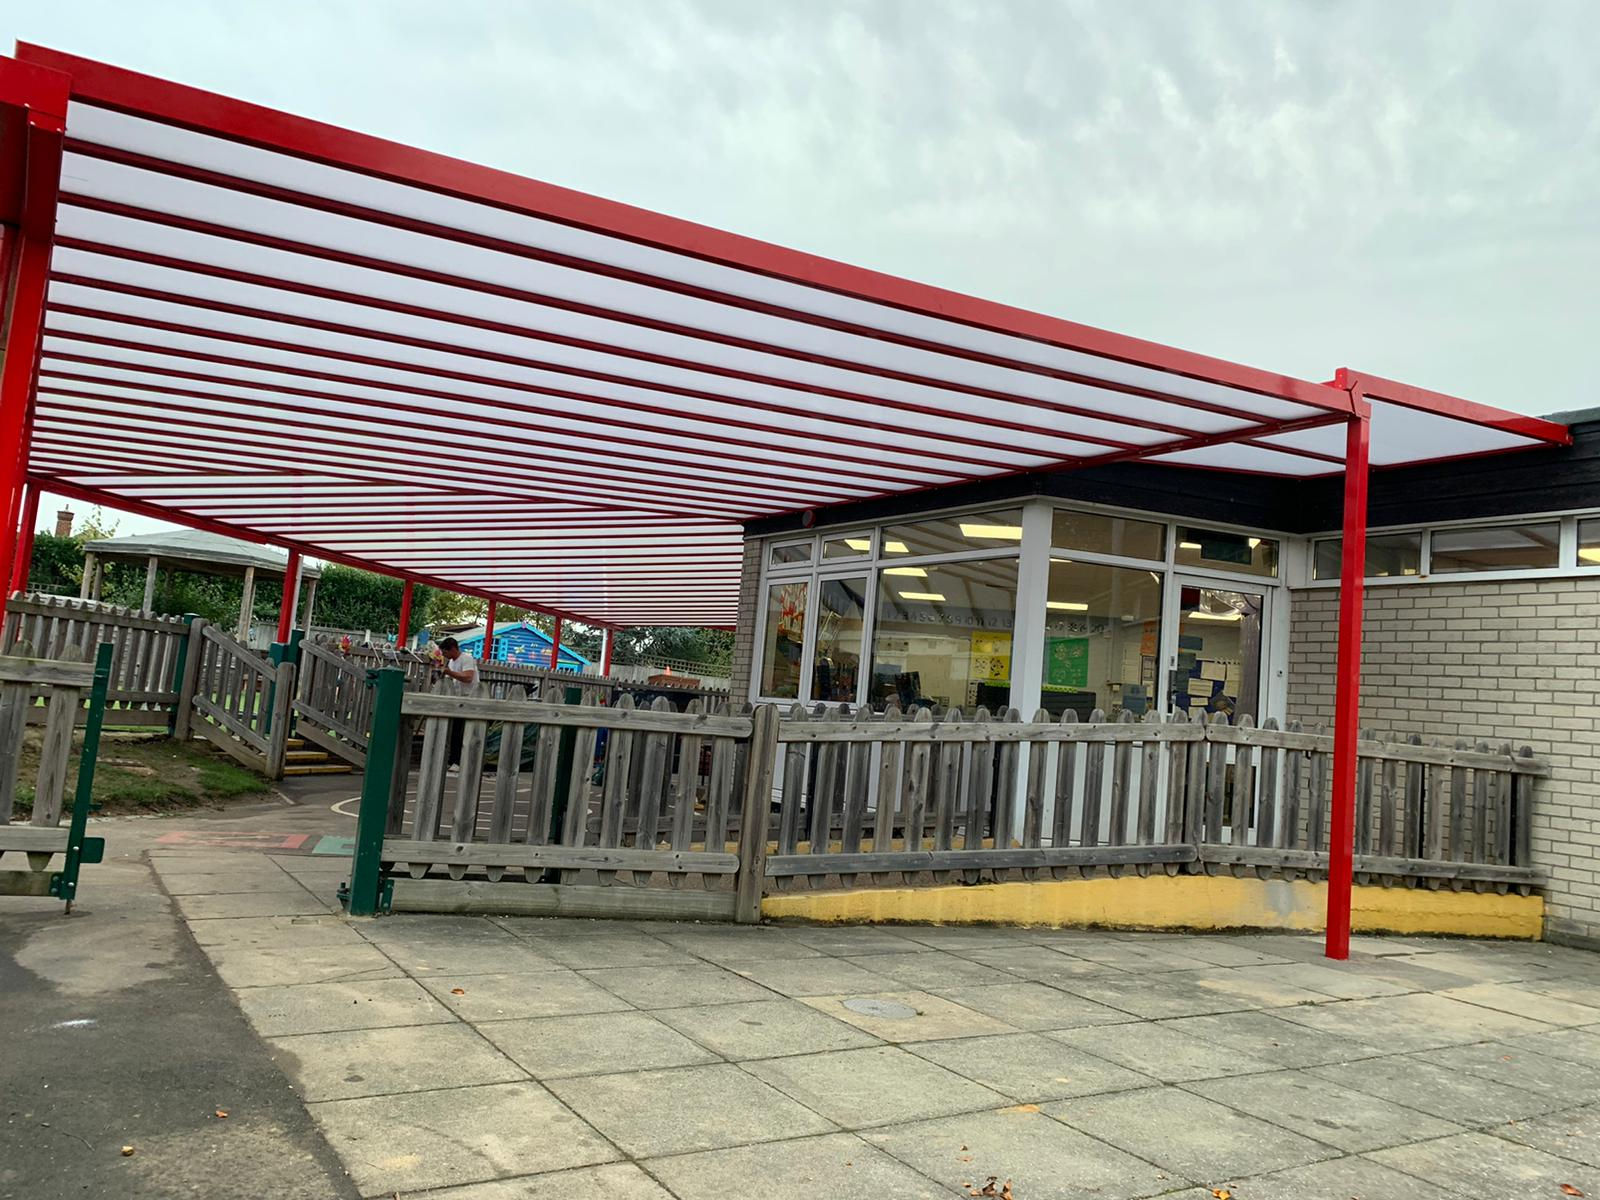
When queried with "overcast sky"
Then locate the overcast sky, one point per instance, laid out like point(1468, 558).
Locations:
point(1411, 189)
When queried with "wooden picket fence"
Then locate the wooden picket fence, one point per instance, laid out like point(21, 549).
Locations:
point(924, 800)
point(236, 699)
point(146, 649)
point(611, 810)
point(65, 692)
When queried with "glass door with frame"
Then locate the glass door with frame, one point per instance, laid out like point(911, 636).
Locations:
point(1218, 659)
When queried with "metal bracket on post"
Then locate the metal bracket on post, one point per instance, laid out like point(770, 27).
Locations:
point(369, 892)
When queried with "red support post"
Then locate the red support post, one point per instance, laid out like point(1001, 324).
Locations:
point(555, 646)
point(291, 596)
point(404, 635)
point(1347, 693)
point(24, 555)
point(488, 634)
point(606, 637)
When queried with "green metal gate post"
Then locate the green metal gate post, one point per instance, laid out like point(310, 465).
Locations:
point(178, 666)
point(80, 849)
point(365, 897)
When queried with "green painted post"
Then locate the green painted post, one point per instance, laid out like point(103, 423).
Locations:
point(177, 671)
point(566, 747)
point(82, 849)
point(366, 873)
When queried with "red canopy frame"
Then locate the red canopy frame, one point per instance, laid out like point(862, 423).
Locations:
point(242, 320)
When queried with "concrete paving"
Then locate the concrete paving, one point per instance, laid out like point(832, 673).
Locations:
point(488, 1059)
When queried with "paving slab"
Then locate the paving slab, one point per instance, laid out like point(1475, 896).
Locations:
point(293, 931)
point(614, 1181)
point(649, 1113)
point(965, 937)
point(1189, 1134)
point(1525, 1002)
point(1029, 1067)
point(1041, 1158)
point(823, 976)
point(620, 949)
point(738, 943)
point(1524, 1068)
point(1465, 1097)
point(1269, 1038)
point(1478, 1165)
point(1335, 1179)
point(328, 1007)
point(479, 955)
point(1575, 1045)
point(907, 1016)
point(542, 993)
point(852, 939)
point(1337, 981)
point(417, 1140)
point(856, 1089)
point(1224, 952)
point(1037, 962)
point(1153, 996)
point(1574, 1134)
point(677, 986)
point(764, 1029)
point(377, 1062)
point(1247, 989)
point(288, 899)
point(1419, 1021)
point(1146, 957)
point(1318, 1108)
point(930, 969)
point(838, 1165)
point(263, 966)
point(556, 1047)
point(1162, 1052)
point(1028, 1005)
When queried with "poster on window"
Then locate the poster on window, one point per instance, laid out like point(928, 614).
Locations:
point(1066, 663)
point(991, 656)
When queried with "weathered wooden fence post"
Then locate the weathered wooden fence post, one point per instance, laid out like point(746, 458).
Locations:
point(366, 876)
point(281, 697)
point(190, 655)
point(753, 811)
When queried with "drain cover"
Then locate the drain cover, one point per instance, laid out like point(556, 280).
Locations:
point(891, 1009)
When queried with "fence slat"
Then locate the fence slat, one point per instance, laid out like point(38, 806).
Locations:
point(1149, 784)
point(686, 783)
point(430, 779)
point(1005, 786)
point(1121, 756)
point(1063, 806)
point(1267, 802)
point(1094, 762)
point(507, 771)
point(1244, 786)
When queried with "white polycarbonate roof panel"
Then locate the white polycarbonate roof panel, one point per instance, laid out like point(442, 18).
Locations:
point(501, 387)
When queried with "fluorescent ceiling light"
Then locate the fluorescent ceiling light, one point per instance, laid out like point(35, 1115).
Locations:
point(917, 572)
point(895, 548)
point(1590, 555)
point(1211, 616)
point(936, 597)
point(1011, 533)
point(1189, 546)
point(862, 544)
point(1066, 605)
point(1254, 542)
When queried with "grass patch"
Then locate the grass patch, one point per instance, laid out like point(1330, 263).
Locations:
point(145, 773)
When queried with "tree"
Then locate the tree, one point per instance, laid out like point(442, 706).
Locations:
point(349, 598)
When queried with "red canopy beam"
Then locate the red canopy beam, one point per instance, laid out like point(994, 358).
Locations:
point(24, 556)
point(1347, 693)
point(555, 646)
point(488, 634)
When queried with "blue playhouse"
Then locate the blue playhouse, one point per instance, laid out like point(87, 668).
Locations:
point(521, 645)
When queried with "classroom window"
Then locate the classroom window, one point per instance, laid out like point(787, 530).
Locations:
point(955, 535)
point(1237, 553)
point(943, 636)
point(783, 640)
point(791, 553)
point(841, 621)
point(852, 545)
point(1589, 543)
point(1102, 630)
point(1502, 548)
point(1098, 533)
point(1388, 555)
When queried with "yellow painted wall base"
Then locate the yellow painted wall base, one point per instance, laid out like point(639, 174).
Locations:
point(1204, 902)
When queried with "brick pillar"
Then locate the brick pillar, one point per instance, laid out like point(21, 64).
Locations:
point(746, 631)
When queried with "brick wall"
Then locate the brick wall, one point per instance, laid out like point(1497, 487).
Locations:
point(744, 634)
point(1516, 661)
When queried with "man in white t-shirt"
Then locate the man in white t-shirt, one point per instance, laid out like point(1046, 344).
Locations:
point(458, 664)
point(463, 668)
